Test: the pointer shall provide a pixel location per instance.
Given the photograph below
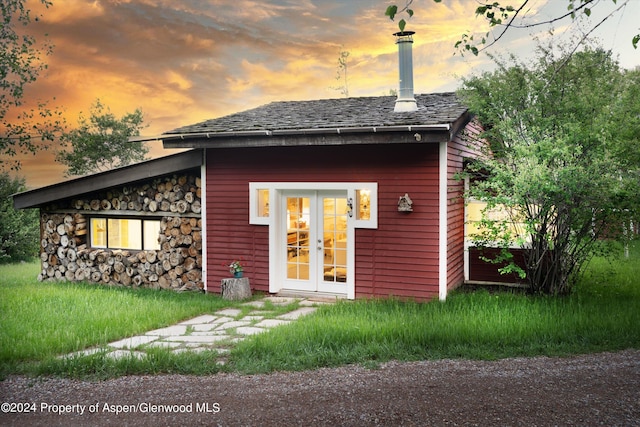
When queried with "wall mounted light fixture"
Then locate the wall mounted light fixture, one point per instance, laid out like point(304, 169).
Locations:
point(350, 207)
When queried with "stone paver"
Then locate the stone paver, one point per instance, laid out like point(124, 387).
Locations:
point(270, 323)
point(250, 330)
point(204, 327)
point(206, 318)
point(257, 303)
point(280, 300)
point(202, 339)
point(231, 325)
point(132, 342)
point(209, 331)
point(293, 315)
point(317, 302)
point(223, 320)
point(231, 312)
point(171, 330)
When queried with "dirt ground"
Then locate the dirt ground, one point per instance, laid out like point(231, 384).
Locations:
point(589, 390)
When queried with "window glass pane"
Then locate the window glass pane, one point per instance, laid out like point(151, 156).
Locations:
point(263, 203)
point(151, 232)
point(98, 232)
point(114, 233)
point(298, 243)
point(363, 204)
point(335, 212)
point(124, 233)
point(133, 233)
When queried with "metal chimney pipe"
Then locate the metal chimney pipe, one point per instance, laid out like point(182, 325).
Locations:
point(405, 101)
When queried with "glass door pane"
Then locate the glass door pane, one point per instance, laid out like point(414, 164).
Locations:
point(334, 220)
point(298, 242)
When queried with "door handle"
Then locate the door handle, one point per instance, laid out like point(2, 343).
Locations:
point(319, 244)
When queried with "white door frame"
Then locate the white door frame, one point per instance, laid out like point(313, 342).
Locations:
point(323, 285)
point(315, 281)
point(281, 254)
point(273, 220)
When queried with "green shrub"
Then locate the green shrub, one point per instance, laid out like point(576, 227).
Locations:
point(19, 229)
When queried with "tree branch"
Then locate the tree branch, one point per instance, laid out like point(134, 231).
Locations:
point(584, 37)
point(507, 26)
point(558, 18)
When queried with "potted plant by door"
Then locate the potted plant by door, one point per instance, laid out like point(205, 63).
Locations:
point(236, 269)
point(236, 288)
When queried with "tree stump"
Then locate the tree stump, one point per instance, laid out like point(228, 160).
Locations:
point(235, 289)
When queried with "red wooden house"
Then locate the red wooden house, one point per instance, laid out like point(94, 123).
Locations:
point(351, 197)
point(339, 196)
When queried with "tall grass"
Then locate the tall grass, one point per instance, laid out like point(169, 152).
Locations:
point(40, 320)
point(602, 314)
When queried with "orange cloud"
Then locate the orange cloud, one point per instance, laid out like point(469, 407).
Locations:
point(186, 61)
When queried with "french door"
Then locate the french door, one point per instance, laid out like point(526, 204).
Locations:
point(313, 243)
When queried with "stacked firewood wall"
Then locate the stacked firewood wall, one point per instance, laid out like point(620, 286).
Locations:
point(66, 253)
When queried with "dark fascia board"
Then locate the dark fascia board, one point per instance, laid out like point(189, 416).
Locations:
point(461, 123)
point(305, 137)
point(121, 176)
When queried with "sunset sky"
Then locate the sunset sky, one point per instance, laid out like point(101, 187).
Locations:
point(186, 61)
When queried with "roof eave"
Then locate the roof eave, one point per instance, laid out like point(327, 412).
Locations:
point(120, 176)
point(313, 136)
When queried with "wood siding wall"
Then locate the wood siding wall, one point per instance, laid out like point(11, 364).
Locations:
point(465, 145)
point(483, 271)
point(399, 258)
point(468, 145)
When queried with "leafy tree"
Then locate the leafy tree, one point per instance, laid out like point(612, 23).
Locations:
point(21, 62)
point(101, 142)
point(626, 117)
point(19, 229)
point(500, 15)
point(563, 161)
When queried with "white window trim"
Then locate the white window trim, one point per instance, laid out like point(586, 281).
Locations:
point(276, 190)
point(350, 187)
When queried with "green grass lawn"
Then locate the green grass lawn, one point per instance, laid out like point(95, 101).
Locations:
point(39, 321)
point(603, 314)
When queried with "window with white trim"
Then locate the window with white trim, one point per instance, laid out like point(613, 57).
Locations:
point(362, 197)
point(125, 233)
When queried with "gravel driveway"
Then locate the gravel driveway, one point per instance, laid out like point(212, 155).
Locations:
point(589, 390)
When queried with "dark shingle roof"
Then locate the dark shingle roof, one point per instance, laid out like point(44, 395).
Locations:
point(433, 109)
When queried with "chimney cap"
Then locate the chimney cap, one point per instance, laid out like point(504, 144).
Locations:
point(404, 33)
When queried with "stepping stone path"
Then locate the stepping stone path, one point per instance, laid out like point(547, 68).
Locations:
point(218, 331)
